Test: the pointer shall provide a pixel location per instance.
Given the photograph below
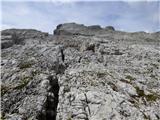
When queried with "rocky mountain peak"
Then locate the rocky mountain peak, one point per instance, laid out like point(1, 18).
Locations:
point(75, 29)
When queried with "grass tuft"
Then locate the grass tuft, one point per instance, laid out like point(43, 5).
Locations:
point(130, 77)
point(25, 64)
point(150, 97)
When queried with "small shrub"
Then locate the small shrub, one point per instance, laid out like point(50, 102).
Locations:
point(91, 47)
point(34, 73)
point(140, 92)
point(101, 74)
point(149, 97)
point(130, 77)
point(5, 89)
point(26, 64)
point(152, 97)
point(2, 117)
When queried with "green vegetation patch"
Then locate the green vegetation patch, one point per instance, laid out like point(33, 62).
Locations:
point(24, 81)
point(2, 117)
point(69, 119)
point(35, 72)
point(152, 97)
point(26, 64)
point(101, 74)
point(5, 89)
point(129, 77)
point(149, 97)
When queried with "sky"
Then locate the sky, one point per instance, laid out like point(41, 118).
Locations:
point(45, 15)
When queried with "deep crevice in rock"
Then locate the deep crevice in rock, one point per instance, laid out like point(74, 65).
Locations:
point(50, 110)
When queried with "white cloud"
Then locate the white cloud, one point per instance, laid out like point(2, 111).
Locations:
point(65, 1)
point(46, 15)
point(6, 26)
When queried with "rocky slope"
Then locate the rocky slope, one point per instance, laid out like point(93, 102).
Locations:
point(80, 73)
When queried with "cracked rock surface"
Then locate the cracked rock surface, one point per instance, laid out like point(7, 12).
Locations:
point(80, 73)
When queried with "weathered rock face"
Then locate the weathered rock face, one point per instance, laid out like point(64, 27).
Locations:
point(110, 28)
point(76, 29)
point(81, 73)
point(25, 33)
point(16, 36)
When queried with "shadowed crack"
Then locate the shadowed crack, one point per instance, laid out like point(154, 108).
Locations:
point(50, 110)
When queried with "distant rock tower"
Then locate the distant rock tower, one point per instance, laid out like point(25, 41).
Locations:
point(111, 28)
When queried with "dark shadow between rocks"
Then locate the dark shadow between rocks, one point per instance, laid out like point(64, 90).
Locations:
point(50, 110)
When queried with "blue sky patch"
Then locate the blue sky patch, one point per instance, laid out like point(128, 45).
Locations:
point(45, 16)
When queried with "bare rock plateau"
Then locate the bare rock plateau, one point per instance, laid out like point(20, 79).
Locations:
point(80, 73)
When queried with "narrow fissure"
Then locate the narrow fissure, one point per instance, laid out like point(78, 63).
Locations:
point(52, 100)
point(50, 110)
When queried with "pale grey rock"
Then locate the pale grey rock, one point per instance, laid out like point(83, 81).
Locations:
point(6, 44)
point(14, 117)
point(95, 27)
point(10, 37)
point(80, 73)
